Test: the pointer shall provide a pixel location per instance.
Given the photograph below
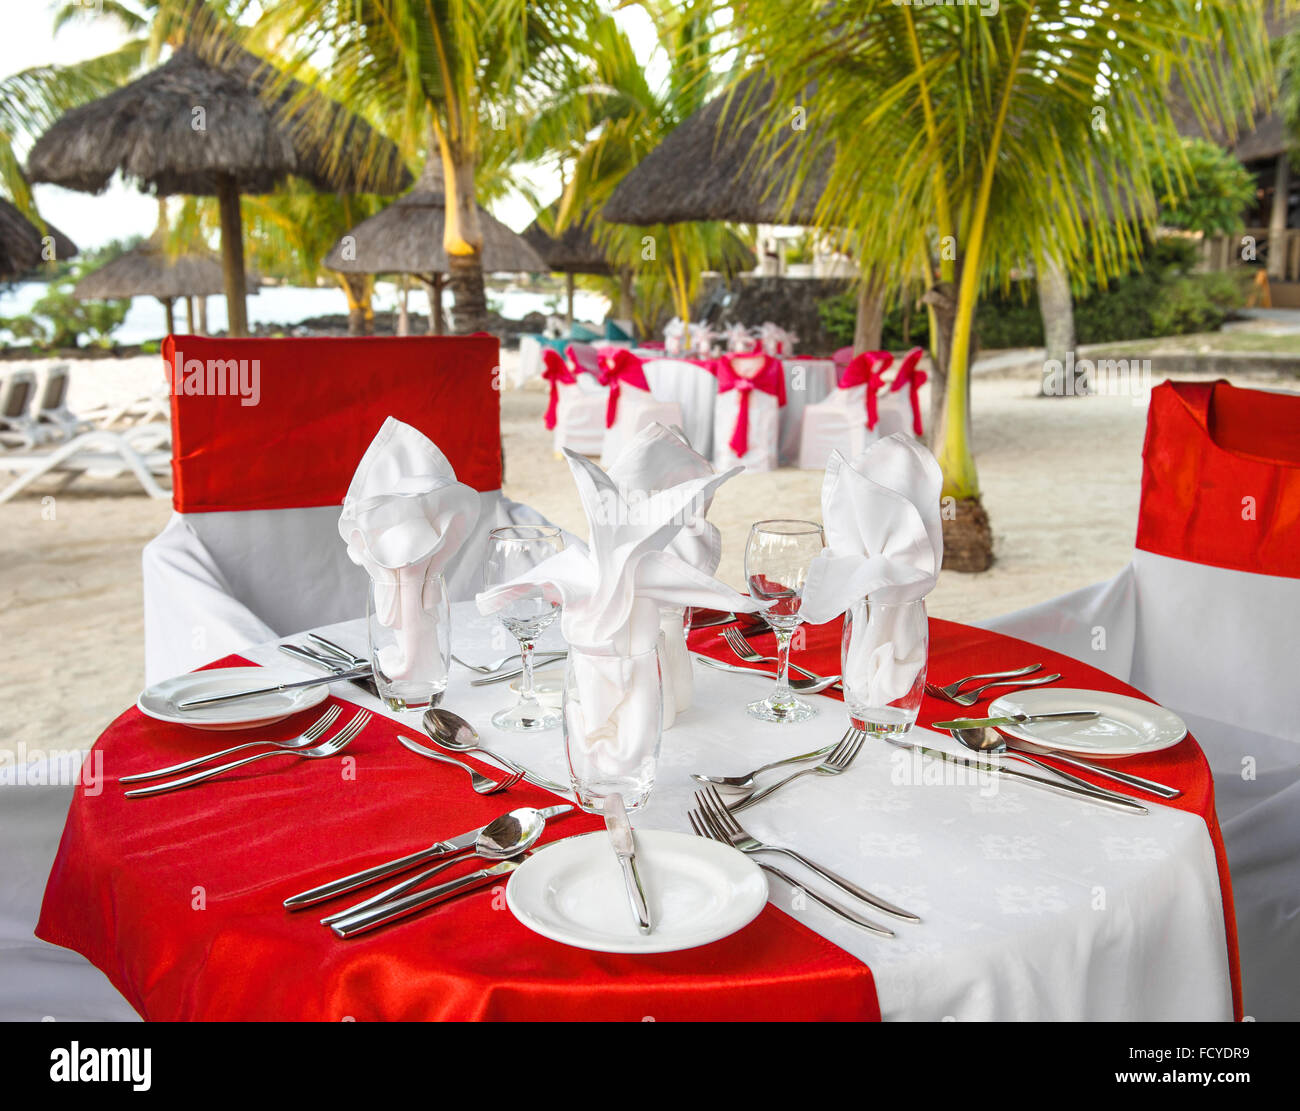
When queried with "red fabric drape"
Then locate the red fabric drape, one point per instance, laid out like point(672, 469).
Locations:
point(1221, 477)
point(619, 365)
point(178, 900)
point(911, 376)
point(770, 378)
point(867, 369)
point(318, 404)
point(555, 371)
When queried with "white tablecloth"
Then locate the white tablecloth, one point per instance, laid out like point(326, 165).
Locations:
point(1035, 906)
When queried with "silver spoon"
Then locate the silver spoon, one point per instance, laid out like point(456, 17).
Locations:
point(507, 836)
point(987, 739)
point(452, 732)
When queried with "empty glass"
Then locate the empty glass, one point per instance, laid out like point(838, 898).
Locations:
point(409, 631)
point(883, 657)
point(613, 716)
point(514, 551)
point(777, 559)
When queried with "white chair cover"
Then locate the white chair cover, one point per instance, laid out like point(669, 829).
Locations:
point(694, 389)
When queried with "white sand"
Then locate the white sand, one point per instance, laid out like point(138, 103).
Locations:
point(1060, 481)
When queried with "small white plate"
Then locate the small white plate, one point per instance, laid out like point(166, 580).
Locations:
point(698, 891)
point(1127, 726)
point(160, 700)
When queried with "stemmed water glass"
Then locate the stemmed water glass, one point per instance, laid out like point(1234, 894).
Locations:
point(777, 559)
point(514, 551)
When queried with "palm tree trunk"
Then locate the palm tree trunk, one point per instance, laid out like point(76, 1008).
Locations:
point(568, 291)
point(463, 241)
point(361, 315)
point(170, 315)
point(203, 316)
point(1056, 304)
point(232, 255)
point(403, 316)
point(626, 286)
point(870, 323)
point(189, 315)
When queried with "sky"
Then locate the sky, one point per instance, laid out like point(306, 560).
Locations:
point(27, 39)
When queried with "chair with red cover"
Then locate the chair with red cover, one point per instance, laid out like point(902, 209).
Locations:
point(847, 419)
point(1206, 620)
point(252, 551)
point(579, 401)
point(747, 415)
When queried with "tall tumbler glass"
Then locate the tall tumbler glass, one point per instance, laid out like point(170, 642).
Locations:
point(883, 658)
point(514, 551)
point(409, 633)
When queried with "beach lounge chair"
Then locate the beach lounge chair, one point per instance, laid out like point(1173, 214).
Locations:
point(140, 451)
point(252, 551)
point(54, 419)
point(1204, 620)
point(17, 391)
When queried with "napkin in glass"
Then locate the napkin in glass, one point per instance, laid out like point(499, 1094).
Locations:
point(884, 543)
point(404, 517)
point(612, 590)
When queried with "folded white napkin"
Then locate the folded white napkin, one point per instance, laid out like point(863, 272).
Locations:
point(657, 458)
point(404, 516)
point(612, 592)
point(884, 542)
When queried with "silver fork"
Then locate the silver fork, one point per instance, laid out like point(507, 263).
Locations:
point(332, 747)
point(741, 647)
point(704, 828)
point(309, 737)
point(836, 763)
point(954, 689)
point(493, 668)
point(481, 784)
point(971, 697)
point(746, 782)
point(713, 808)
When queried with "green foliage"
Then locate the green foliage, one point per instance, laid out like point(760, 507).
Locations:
point(1218, 190)
point(59, 319)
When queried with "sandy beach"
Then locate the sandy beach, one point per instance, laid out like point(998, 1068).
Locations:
point(1060, 481)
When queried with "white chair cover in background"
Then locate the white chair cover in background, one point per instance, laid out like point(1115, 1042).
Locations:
point(1205, 620)
point(694, 389)
point(807, 381)
point(756, 383)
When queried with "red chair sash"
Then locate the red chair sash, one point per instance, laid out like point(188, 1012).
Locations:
point(1221, 477)
point(769, 378)
point(619, 365)
point(867, 369)
point(283, 423)
point(555, 371)
point(911, 375)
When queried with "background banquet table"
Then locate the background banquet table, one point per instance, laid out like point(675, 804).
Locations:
point(1035, 906)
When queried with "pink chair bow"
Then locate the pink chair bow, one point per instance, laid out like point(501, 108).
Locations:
point(619, 365)
point(911, 375)
point(770, 378)
point(867, 369)
point(555, 371)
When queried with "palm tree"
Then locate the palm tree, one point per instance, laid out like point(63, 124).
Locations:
point(446, 73)
point(982, 139)
point(601, 121)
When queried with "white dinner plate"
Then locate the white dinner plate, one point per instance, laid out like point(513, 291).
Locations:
point(1127, 726)
point(159, 701)
point(697, 891)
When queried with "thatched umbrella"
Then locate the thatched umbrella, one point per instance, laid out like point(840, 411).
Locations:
point(218, 125)
point(714, 165)
point(146, 271)
point(22, 243)
point(406, 238)
point(571, 252)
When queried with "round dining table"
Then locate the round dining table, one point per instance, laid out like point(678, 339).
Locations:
point(1032, 905)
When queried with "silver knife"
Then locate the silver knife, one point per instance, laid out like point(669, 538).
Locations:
point(620, 834)
point(461, 843)
point(1016, 719)
point(367, 685)
point(235, 696)
point(418, 900)
point(1101, 798)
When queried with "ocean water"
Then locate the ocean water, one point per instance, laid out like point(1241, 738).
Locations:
point(145, 320)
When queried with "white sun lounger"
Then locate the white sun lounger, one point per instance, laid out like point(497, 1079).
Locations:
point(143, 451)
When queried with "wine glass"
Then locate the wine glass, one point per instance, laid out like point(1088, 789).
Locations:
point(777, 559)
point(514, 551)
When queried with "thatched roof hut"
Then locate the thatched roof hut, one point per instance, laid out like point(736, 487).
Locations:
point(221, 124)
point(22, 243)
point(714, 166)
point(146, 271)
point(572, 251)
point(407, 238)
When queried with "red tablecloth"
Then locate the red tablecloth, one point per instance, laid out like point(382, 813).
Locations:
point(957, 650)
point(178, 900)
